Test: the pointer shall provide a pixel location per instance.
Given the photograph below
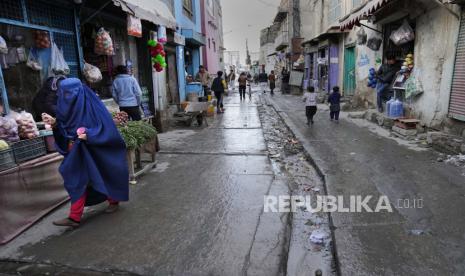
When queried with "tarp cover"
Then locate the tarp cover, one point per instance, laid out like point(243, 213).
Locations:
point(154, 11)
point(368, 9)
point(27, 193)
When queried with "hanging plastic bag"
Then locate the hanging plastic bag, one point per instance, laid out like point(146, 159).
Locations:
point(403, 35)
point(42, 39)
point(103, 43)
point(413, 86)
point(161, 34)
point(92, 73)
point(361, 36)
point(375, 41)
point(58, 63)
point(134, 26)
point(32, 61)
point(3, 46)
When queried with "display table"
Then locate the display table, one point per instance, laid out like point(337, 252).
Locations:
point(135, 161)
point(28, 192)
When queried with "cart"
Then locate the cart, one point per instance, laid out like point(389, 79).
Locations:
point(194, 111)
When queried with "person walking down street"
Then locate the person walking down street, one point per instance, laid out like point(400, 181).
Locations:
point(385, 75)
point(263, 80)
point(218, 89)
point(334, 100)
point(231, 78)
point(94, 168)
point(310, 104)
point(272, 80)
point(285, 81)
point(242, 85)
point(204, 78)
point(127, 93)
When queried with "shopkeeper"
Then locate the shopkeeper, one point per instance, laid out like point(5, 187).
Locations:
point(127, 93)
point(385, 75)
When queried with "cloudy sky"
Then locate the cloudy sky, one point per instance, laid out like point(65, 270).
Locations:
point(244, 19)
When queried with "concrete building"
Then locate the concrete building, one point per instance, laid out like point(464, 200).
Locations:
point(267, 54)
point(212, 28)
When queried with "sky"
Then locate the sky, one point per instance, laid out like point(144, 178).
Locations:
point(244, 19)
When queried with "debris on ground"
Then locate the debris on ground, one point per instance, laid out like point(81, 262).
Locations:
point(319, 237)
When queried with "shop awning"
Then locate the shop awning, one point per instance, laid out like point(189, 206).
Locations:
point(154, 11)
point(362, 13)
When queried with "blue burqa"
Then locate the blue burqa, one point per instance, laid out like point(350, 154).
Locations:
point(97, 165)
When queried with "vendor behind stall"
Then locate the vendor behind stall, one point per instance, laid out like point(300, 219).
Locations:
point(46, 99)
point(385, 75)
point(127, 93)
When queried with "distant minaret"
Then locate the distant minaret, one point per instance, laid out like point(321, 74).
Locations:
point(247, 59)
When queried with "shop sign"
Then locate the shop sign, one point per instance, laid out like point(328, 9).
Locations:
point(179, 39)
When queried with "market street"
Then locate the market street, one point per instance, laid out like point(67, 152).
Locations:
point(356, 160)
point(199, 212)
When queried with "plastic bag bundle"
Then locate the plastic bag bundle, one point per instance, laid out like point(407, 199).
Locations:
point(161, 34)
point(361, 36)
point(92, 73)
point(3, 46)
point(413, 86)
point(32, 61)
point(58, 63)
point(27, 128)
point(8, 129)
point(103, 43)
point(375, 41)
point(134, 26)
point(403, 35)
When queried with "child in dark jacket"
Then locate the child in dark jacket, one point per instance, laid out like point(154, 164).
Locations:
point(335, 104)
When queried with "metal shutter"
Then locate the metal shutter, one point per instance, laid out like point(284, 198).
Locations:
point(457, 95)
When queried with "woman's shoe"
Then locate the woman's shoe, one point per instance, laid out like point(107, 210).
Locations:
point(66, 222)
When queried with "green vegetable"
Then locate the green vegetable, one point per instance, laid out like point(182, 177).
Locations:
point(137, 133)
point(3, 145)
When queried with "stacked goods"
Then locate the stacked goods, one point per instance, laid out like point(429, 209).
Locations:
point(103, 43)
point(27, 127)
point(120, 118)
point(137, 133)
point(408, 65)
point(8, 129)
point(42, 39)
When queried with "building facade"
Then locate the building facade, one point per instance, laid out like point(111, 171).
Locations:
point(212, 28)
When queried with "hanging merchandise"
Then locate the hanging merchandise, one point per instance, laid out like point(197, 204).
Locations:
point(8, 129)
point(157, 54)
point(372, 81)
point(58, 63)
point(21, 52)
point(103, 43)
point(27, 128)
point(403, 35)
point(92, 73)
point(41, 39)
point(32, 60)
point(3, 47)
point(162, 38)
point(361, 36)
point(413, 86)
point(375, 41)
point(134, 26)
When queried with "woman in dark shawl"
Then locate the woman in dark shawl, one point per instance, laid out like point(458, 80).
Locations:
point(94, 168)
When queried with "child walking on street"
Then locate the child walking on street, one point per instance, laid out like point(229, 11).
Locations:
point(335, 104)
point(310, 104)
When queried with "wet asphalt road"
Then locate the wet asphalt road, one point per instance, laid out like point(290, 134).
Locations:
point(200, 212)
point(356, 161)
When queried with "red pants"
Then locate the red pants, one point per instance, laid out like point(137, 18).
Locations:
point(77, 208)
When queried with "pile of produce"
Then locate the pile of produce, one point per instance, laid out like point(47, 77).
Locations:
point(137, 133)
point(408, 65)
point(41, 39)
point(3, 145)
point(103, 43)
point(8, 129)
point(120, 118)
point(27, 127)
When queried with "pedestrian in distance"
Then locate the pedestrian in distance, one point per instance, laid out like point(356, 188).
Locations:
point(231, 78)
point(204, 78)
point(334, 100)
point(285, 77)
point(309, 98)
point(242, 85)
point(218, 89)
point(272, 80)
point(263, 80)
point(94, 168)
point(127, 93)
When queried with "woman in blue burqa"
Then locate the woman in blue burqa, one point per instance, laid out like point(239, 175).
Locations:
point(94, 168)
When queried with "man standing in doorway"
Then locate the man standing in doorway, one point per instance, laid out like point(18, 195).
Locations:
point(203, 77)
point(263, 80)
point(385, 74)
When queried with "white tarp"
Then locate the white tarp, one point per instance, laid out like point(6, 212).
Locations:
point(154, 11)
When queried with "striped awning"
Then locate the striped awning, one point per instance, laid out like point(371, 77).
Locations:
point(361, 13)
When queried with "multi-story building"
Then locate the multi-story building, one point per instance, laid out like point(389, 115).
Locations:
point(212, 28)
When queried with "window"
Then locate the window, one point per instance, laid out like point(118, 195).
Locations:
point(188, 7)
point(356, 3)
point(335, 7)
point(209, 44)
point(214, 46)
point(210, 7)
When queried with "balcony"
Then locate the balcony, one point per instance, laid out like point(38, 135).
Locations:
point(281, 41)
point(282, 11)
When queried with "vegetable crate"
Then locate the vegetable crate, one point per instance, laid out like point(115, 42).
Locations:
point(7, 159)
point(29, 149)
